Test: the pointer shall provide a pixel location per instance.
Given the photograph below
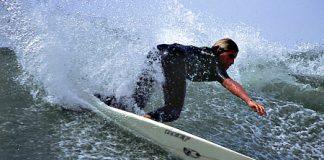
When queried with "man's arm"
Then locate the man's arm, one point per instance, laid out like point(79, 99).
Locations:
point(236, 89)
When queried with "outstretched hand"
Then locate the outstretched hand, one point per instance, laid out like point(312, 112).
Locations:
point(257, 107)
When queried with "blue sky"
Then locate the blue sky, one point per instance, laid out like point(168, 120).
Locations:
point(288, 22)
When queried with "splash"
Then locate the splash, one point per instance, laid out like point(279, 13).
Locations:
point(100, 46)
point(95, 46)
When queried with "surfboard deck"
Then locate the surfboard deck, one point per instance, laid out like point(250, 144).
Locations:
point(180, 143)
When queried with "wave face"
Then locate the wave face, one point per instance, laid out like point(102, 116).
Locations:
point(64, 47)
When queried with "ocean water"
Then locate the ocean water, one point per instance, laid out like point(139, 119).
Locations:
point(53, 50)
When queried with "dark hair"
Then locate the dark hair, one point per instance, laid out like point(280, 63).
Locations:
point(223, 45)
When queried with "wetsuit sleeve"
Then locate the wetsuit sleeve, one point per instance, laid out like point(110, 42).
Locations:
point(221, 74)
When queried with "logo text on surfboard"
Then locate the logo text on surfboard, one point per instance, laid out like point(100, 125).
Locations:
point(191, 153)
point(177, 135)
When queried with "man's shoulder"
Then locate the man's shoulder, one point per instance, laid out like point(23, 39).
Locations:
point(172, 47)
point(164, 45)
point(178, 45)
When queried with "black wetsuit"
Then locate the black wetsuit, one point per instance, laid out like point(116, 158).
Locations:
point(179, 62)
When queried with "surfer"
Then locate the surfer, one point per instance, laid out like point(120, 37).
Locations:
point(181, 62)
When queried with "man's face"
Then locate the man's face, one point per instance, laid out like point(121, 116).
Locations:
point(227, 58)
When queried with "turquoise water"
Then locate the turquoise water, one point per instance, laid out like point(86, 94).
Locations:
point(63, 47)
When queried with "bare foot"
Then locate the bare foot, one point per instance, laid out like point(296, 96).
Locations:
point(147, 116)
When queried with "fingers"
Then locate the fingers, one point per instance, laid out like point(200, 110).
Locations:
point(263, 111)
point(259, 109)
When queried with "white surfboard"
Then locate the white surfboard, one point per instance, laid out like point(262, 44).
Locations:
point(178, 142)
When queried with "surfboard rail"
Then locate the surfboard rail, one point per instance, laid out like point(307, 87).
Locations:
point(180, 143)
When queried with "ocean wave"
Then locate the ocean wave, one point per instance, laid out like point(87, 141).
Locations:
point(64, 47)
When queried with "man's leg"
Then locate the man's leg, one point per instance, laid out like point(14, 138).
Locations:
point(174, 90)
point(143, 89)
point(146, 81)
